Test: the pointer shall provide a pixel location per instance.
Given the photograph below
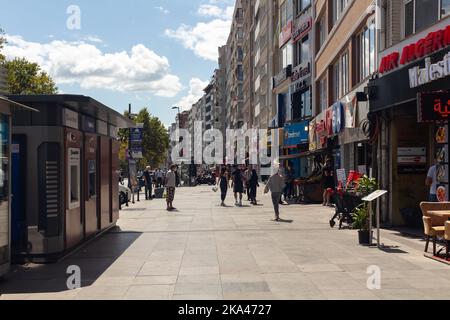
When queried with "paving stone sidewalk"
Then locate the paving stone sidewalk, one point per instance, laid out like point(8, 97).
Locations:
point(204, 251)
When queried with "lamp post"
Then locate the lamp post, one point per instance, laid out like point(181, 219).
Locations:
point(179, 127)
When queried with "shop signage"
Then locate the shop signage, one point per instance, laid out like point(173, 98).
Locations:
point(433, 42)
point(282, 76)
point(297, 133)
point(338, 118)
point(71, 119)
point(88, 124)
point(433, 106)
point(302, 28)
point(301, 71)
point(286, 33)
point(431, 72)
point(312, 135)
point(350, 113)
point(412, 160)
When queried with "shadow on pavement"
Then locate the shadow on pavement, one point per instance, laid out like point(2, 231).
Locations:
point(93, 259)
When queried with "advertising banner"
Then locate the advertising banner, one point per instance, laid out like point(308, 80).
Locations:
point(136, 138)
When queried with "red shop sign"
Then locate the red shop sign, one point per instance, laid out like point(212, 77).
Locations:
point(302, 29)
point(433, 42)
point(286, 34)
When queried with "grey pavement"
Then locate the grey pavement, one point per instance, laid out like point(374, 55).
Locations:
point(204, 251)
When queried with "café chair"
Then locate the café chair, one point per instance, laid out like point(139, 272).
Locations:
point(434, 227)
point(447, 239)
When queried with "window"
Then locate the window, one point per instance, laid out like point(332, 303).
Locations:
point(323, 94)
point(302, 5)
point(365, 52)
point(338, 8)
point(302, 48)
point(420, 14)
point(301, 105)
point(286, 55)
point(286, 12)
point(321, 31)
point(340, 77)
point(445, 8)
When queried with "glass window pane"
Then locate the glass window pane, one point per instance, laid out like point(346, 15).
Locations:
point(289, 49)
point(427, 12)
point(372, 48)
point(409, 18)
point(445, 9)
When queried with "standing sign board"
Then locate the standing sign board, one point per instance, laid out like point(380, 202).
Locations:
point(370, 198)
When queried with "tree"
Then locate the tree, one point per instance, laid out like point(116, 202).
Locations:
point(155, 140)
point(2, 43)
point(24, 77)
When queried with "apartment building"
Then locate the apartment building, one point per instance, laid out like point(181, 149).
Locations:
point(345, 59)
point(292, 83)
point(264, 23)
point(234, 70)
point(409, 104)
point(248, 9)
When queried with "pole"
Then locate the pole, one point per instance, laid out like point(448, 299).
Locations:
point(130, 156)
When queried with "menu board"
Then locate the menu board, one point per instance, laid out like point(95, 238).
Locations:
point(442, 168)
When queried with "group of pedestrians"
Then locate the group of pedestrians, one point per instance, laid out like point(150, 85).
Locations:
point(248, 177)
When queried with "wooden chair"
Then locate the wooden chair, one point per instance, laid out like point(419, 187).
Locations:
point(434, 227)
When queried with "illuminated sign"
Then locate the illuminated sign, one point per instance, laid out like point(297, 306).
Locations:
point(433, 42)
point(433, 106)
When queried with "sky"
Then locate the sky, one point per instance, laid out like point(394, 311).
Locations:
point(150, 53)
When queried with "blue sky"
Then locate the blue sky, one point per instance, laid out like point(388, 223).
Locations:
point(151, 53)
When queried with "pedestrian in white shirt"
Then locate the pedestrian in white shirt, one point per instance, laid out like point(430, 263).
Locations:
point(170, 187)
point(431, 182)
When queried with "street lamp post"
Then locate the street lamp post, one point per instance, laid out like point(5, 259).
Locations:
point(179, 127)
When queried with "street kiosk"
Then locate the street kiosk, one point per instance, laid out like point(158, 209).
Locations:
point(66, 162)
point(7, 107)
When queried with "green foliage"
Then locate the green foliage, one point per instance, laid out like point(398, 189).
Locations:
point(155, 140)
point(2, 43)
point(361, 217)
point(366, 186)
point(24, 77)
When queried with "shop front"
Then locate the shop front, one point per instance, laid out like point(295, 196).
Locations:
point(295, 149)
point(410, 104)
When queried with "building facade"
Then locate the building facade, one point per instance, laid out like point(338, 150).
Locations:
point(409, 105)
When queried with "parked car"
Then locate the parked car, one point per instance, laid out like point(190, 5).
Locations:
point(124, 195)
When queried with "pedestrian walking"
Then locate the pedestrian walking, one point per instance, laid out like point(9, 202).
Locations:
point(329, 183)
point(254, 185)
point(223, 183)
point(247, 176)
point(159, 178)
point(170, 187)
point(238, 185)
point(148, 183)
point(276, 185)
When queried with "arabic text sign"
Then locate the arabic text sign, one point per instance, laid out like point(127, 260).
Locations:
point(373, 196)
point(434, 106)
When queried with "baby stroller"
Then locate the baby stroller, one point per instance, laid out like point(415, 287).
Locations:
point(345, 205)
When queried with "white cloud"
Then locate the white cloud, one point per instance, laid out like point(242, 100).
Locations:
point(210, 10)
point(91, 38)
point(140, 70)
point(162, 9)
point(196, 87)
point(205, 37)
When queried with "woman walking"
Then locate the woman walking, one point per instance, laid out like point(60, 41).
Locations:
point(253, 183)
point(223, 183)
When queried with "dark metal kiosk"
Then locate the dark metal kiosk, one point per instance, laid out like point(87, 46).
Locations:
point(65, 166)
point(7, 107)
